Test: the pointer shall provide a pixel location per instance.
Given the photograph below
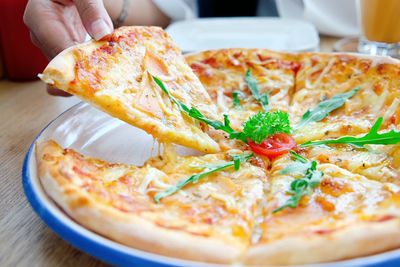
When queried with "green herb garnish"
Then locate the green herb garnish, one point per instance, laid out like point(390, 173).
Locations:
point(303, 186)
point(265, 124)
point(256, 128)
point(300, 166)
point(372, 138)
point(236, 98)
point(252, 84)
point(237, 159)
point(323, 109)
point(196, 114)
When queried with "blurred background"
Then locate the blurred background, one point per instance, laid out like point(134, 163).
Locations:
point(280, 24)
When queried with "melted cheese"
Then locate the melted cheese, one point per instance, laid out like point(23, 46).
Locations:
point(116, 77)
point(154, 177)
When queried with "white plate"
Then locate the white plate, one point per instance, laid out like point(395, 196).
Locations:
point(272, 33)
point(96, 134)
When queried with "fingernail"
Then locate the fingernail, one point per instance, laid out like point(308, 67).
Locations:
point(99, 29)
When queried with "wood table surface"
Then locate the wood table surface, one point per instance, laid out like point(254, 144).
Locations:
point(25, 108)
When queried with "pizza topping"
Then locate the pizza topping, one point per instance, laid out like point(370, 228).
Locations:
point(196, 114)
point(252, 84)
point(237, 159)
point(273, 146)
point(303, 186)
point(292, 65)
point(372, 138)
point(236, 95)
point(265, 124)
point(266, 132)
point(323, 109)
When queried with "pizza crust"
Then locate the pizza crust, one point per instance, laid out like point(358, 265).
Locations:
point(358, 239)
point(60, 71)
point(126, 228)
point(353, 241)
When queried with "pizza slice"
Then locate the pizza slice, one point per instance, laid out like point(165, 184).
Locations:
point(243, 82)
point(323, 77)
point(208, 220)
point(381, 163)
point(345, 216)
point(116, 73)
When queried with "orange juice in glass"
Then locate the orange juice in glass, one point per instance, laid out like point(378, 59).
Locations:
point(380, 25)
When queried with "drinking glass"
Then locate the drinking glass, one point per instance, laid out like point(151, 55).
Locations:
point(380, 27)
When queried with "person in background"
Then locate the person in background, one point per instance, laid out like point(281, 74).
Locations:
point(58, 24)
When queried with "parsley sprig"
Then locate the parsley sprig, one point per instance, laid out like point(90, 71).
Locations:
point(323, 108)
point(256, 128)
point(237, 160)
point(265, 124)
point(303, 186)
point(255, 91)
point(371, 138)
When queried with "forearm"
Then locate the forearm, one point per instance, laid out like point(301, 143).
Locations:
point(140, 12)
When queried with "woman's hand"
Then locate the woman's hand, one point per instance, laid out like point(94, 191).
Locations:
point(59, 24)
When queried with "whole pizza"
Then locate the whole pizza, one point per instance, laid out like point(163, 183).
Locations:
point(298, 156)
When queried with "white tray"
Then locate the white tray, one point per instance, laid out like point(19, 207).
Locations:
point(272, 33)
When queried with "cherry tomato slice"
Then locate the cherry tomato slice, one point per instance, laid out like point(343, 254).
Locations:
point(273, 146)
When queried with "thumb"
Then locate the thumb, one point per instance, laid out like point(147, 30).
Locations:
point(94, 17)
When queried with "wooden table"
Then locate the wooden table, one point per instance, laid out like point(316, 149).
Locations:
point(25, 108)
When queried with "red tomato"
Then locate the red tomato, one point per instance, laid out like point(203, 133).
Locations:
point(273, 146)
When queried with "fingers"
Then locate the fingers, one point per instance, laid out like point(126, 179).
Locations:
point(48, 31)
point(95, 18)
point(51, 90)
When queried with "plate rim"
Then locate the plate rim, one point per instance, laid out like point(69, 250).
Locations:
point(118, 257)
point(62, 229)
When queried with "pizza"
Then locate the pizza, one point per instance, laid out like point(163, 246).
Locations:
point(301, 166)
point(116, 200)
point(116, 75)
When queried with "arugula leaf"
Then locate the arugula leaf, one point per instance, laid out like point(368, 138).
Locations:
point(196, 114)
point(303, 186)
point(265, 124)
point(372, 138)
point(237, 159)
point(300, 166)
point(297, 167)
point(236, 98)
point(298, 157)
point(252, 84)
point(181, 105)
point(256, 128)
point(325, 107)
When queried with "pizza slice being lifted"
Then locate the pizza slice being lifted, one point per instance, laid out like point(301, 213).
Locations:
point(116, 75)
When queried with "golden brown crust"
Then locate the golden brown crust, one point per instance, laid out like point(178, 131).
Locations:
point(346, 239)
point(114, 74)
point(123, 227)
point(357, 240)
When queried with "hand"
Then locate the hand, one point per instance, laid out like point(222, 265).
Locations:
point(58, 24)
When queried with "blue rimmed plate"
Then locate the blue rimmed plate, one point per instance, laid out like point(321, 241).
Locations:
point(96, 134)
